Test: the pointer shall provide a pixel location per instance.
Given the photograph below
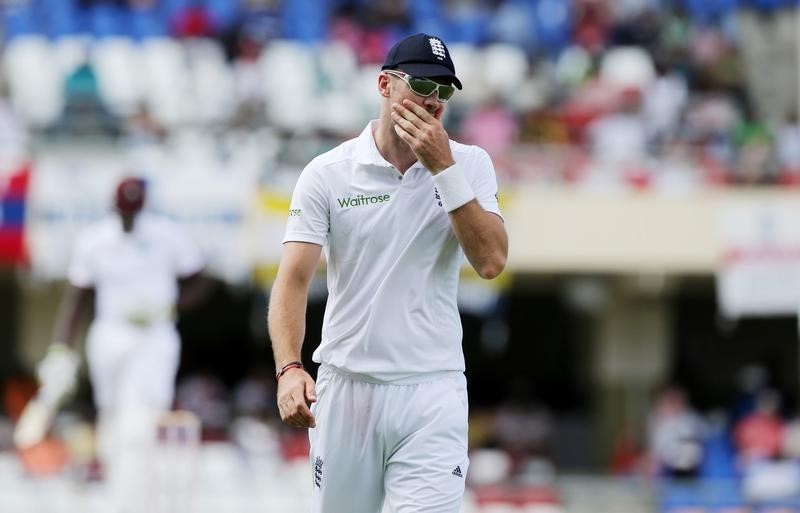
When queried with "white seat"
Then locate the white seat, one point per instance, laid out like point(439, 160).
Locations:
point(505, 67)
point(489, 467)
point(289, 74)
point(212, 82)
point(340, 112)
point(35, 81)
point(167, 88)
point(71, 52)
point(365, 87)
point(468, 61)
point(120, 74)
point(339, 65)
point(627, 67)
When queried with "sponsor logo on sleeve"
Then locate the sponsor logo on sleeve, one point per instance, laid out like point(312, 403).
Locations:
point(295, 212)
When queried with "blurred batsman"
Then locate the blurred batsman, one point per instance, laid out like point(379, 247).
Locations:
point(396, 210)
point(140, 269)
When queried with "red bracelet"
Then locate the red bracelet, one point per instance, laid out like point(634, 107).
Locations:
point(288, 366)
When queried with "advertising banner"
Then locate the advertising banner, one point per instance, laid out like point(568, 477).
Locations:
point(13, 197)
point(760, 270)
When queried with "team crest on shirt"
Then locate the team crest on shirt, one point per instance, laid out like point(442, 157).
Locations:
point(318, 472)
point(437, 196)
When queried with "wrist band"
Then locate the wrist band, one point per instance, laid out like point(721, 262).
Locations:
point(288, 366)
point(453, 187)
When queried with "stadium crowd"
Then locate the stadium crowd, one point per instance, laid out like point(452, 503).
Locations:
point(644, 93)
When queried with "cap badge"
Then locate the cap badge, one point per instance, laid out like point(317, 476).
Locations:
point(437, 48)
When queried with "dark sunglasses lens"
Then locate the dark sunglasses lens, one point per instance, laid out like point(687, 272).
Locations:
point(422, 86)
point(446, 92)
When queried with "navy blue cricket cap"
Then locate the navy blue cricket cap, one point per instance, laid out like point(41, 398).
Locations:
point(422, 55)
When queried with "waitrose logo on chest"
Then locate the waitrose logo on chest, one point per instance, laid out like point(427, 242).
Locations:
point(361, 200)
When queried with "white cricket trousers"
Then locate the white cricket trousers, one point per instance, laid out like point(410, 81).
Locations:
point(406, 443)
point(133, 372)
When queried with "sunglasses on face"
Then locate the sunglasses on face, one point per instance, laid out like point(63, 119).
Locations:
point(424, 86)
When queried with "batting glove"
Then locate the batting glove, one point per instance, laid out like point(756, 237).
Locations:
point(57, 374)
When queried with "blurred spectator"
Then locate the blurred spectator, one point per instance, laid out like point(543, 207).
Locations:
point(679, 169)
point(754, 165)
point(523, 431)
point(143, 128)
point(84, 111)
point(204, 395)
point(491, 126)
point(788, 149)
point(664, 103)
point(790, 444)
point(255, 396)
point(626, 454)
point(709, 124)
point(592, 25)
point(719, 458)
point(751, 380)
point(676, 434)
point(193, 20)
point(619, 137)
point(248, 77)
point(638, 28)
point(759, 435)
point(368, 28)
point(619, 143)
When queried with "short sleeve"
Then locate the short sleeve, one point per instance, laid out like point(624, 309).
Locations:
point(484, 183)
point(309, 213)
point(80, 271)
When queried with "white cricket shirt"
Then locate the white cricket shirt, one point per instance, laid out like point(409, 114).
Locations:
point(134, 274)
point(393, 258)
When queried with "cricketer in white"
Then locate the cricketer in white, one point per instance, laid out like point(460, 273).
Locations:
point(139, 268)
point(395, 209)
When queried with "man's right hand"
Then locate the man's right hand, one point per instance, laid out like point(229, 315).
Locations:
point(296, 393)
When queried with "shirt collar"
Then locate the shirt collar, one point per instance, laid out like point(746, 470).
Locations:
point(366, 150)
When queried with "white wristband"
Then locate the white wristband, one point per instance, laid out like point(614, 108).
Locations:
point(453, 188)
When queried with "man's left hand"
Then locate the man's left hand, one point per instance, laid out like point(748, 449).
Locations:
point(424, 133)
